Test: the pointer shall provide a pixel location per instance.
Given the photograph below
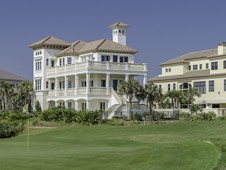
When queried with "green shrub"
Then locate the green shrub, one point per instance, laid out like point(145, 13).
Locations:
point(10, 128)
point(53, 114)
point(208, 116)
point(88, 117)
point(138, 117)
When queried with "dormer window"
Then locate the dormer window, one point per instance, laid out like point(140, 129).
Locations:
point(195, 67)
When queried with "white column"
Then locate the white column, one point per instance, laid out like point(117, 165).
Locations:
point(76, 105)
point(76, 84)
point(145, 80)
point(87, 105)
point(65, 103)
point(127, 78)
point(95, 83)
point(87, 83)
point(107, 83)
point(56, 85)
point(56, 103)
point(65, 85)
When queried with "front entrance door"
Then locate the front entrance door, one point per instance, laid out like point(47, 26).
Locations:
point(115, 84)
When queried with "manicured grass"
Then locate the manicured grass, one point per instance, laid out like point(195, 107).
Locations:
point(172, 146)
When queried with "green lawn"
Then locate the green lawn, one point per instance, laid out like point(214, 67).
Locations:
point(172, 146)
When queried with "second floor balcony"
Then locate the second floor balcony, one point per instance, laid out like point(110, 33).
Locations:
point(94, 65)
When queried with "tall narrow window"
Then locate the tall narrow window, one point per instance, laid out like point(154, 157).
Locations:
point(207, 65)
point(174, 86)
point(69, 84)
point(121, 59)
point(126, 59)
point(168, 87)
point(105, 58)
point(69, 104)
point(200, 86)
point(83, 106)
point(52, 86)
point(83, 83)
point(47, 84)
point(224, 84)
point(63, 61)
point(38, 84)
point(115, 58)
point(103, 83)
point(60, 62)
point(200, 66)
point(47, 62)
point(69, 60)
point(189, 67)
point(224, 64)
point(211, 86)
point(102, 106)
point(52, 63)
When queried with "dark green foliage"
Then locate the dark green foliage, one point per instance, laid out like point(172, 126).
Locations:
point(11, 116)
point(198, 117)
point(38, 107)
point(11, 128)
point(138, 117)
point(208, 116)
point(69, 115)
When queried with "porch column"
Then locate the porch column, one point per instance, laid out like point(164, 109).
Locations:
point(65, 85)
point(87, 105)
point(76, 105)
point(76, 84)
point(56, 103)
point(145, 80)
point(56, 85)
point(87, 83)
point(108, 83)
point(127, 78)
point(66, 105)
point(95, 83)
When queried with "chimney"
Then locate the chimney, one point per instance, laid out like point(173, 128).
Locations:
point(221, 48)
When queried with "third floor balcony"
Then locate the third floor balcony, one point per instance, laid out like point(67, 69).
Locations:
point(96, 66)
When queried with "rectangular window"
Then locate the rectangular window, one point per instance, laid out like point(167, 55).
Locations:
point(63, 85)
point(63, 61)
point(52, 86)
point(47, 84)
point(115, 58)
point(225, 85)
point(195, 67)
point(160, 86)
point(214, 65)
point(105, 58)
point(103, 83)
point(83, 106)
point(211, 86)
point(38, 65)
point(200, 86)
point(38, 85)
point(69, 84)
point(166, 70)
point(126, 59)
point(47, 62)
point(69, 104)
point(200, 66)
point(60, 62)
point(102, 106)
point(69, 60)
point(52, 63)
point(174, 86)
point(207, 65)
point(60, 85)
point(83, 83)
point(121, 60)
point(189, 67)
point(224, 64)
point(91, 83)
point(168, 87)
point(169, 69)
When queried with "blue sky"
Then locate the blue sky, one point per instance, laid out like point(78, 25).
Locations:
point(159, 29)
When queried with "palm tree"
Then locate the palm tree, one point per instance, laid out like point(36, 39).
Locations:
point(26, 95)
point(6, 93)
point(130, 88)
point(153, 93)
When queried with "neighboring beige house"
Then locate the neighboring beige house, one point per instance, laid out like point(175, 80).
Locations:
point(204, 70)
point(85, 75)
point(10, 77)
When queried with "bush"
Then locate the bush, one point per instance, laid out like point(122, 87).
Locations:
point(138, 117)
point(88, 117)
point(208, 116)
point(10, 128)
point(11, 116)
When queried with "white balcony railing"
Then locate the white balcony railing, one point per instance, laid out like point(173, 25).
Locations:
point(94, 65)
point(80, 92)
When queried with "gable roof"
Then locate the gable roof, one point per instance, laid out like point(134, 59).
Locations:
point(5, 75)
point(102, 45)
point(191, 55)
point(119, 24)
point(50, 40)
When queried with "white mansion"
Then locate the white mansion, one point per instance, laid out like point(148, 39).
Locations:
point(204, 70)
point(84, 75)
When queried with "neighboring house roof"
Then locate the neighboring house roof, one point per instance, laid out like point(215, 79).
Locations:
point(190, 74)
point(191, 55)
point(4, 75)
point(50, 40)
point(103, 45)
point(119, 24)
